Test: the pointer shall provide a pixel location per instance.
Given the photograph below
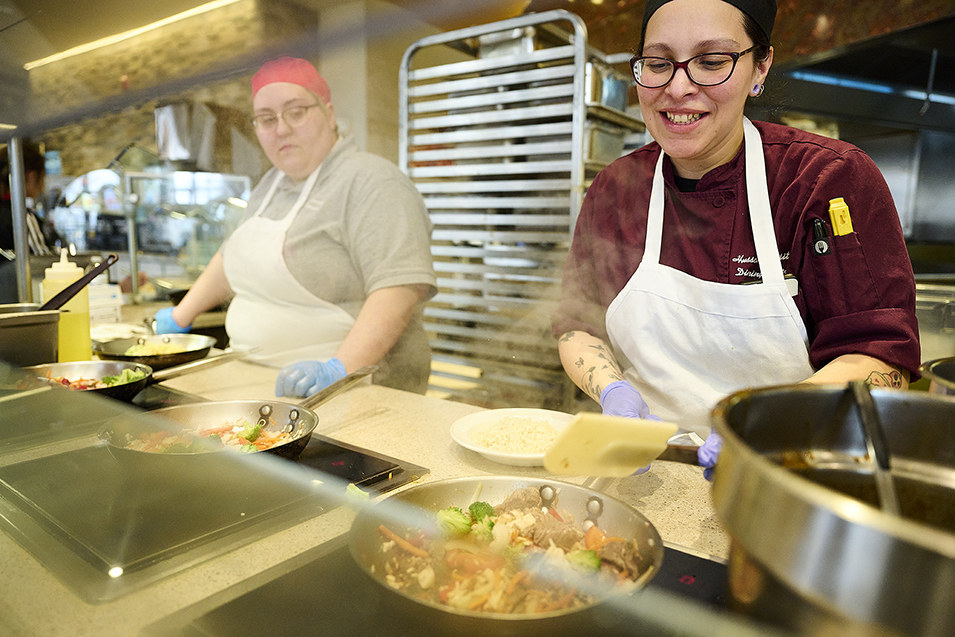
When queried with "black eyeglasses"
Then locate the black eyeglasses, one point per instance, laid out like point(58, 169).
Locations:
point(708, 69)
point(294, 117)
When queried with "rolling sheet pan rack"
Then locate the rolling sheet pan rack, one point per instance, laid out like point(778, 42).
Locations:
point(496, 132)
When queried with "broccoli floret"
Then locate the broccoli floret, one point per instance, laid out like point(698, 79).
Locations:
point(480, 510)
point(584, 560)
point(251, 432)
point(453, 521)
point(248, 448)
point(482, 530)
point(215, 440)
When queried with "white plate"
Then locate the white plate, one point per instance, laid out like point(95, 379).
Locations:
point(462, 428)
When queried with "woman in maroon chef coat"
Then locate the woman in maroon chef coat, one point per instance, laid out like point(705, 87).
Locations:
point(706, 262)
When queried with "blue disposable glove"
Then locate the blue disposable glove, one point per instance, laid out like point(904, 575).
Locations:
point(166, 324)
point(708, 453)
point(622, 399)
point(305, 378)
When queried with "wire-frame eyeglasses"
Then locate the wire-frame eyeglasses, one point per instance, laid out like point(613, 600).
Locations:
point(294, 117)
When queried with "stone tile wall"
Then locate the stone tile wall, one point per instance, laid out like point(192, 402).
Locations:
point(179, 50)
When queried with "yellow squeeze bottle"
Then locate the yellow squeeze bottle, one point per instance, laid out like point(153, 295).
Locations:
point(74, 330)
point(839, 217)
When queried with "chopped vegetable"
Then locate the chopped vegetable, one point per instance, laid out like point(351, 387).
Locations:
point(251, 432)
point(231, 435)
point(483, 530)
point(534, 563)
point(126, 376)
point(594, 538)
point(584, 560)
point(353, 491)
point(400, 541)
point(480, 510)
point(453, 521)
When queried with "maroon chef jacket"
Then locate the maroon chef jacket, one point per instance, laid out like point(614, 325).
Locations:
point(859, 298)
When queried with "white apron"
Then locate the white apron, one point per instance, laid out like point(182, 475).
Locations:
point(686, 343)
point(271, 310)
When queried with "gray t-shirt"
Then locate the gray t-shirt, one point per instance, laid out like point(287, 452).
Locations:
point(364, 227)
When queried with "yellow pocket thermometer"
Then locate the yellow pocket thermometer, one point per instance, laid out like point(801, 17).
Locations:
point(839, 216)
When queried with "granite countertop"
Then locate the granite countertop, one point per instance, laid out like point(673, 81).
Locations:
point(414, 428)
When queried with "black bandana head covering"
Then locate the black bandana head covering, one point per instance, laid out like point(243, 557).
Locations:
point(762, 11)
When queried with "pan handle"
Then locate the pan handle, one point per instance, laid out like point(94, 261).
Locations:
point(72, 289)
point(187, 368)
point(337, 387)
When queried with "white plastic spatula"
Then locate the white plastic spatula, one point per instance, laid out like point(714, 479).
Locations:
point(607, 446)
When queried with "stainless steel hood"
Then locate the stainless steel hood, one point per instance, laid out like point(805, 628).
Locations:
point(903, 80)
point(894, 97)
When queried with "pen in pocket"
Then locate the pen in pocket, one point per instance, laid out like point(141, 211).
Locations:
point(820, 238)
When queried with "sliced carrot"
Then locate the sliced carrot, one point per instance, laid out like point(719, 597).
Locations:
point(514, 581)
point(594, 538)
point(400, 541)
point(216, 430)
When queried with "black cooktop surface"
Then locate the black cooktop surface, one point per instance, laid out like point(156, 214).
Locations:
point(106, 528)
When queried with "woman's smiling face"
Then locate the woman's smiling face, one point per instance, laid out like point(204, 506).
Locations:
point(699, 127)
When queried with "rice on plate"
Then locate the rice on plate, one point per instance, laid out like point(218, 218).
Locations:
point(518, 436)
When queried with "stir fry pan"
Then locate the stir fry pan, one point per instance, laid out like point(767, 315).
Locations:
point(193, 346)
point(127, 391)
point(274, 415)
point(415, 508)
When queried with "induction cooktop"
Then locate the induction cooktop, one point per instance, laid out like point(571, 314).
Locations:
point(333, 593)
point(106, 529)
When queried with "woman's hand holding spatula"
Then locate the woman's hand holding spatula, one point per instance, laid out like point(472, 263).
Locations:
point(622, 399)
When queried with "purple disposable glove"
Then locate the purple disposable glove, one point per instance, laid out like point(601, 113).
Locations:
point(709, 452)
point(166, 324)
point(622, 399)
point(305, 378)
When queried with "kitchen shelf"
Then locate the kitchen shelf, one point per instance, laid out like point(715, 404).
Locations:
point(495, 125)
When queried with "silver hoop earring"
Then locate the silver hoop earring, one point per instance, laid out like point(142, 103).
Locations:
point(757, 90)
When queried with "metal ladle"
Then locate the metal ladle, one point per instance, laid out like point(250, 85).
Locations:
point(877, 448)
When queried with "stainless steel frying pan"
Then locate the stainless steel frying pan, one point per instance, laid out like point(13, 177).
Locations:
point(416, 506)
point(274, 415)
point(192, 346)
point(127, 391)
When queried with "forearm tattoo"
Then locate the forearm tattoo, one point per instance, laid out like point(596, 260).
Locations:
point(893, 379)
point(606, 368)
